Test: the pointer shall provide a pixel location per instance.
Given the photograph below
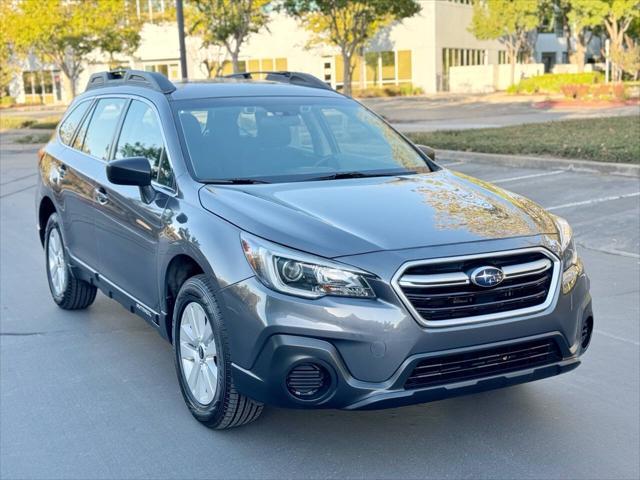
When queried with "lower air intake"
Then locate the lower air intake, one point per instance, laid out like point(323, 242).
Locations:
point(483, 363)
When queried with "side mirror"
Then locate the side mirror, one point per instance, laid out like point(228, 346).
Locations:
point(130, 171)
point(428, 151)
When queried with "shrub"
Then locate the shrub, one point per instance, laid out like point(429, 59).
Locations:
point(387, 91)
point(600, 91)
point(553, 82)
point(7, 101)
point(11, 123)
point(577, 91)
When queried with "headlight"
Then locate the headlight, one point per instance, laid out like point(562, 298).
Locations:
point(571, 265)
point(301, 274)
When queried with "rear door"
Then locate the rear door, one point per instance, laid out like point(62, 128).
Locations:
point(130, 221)
point(70, 175)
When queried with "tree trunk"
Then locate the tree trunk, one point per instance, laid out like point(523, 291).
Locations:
point(578, 56)
point(513, 70)
point(347, 73)
point(234, 61)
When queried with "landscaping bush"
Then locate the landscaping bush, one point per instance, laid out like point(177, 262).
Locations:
point(576, 91)
point(7, 101)
point(47, 123)
point(553, 82)
point(10, 123)
point(387, 91)
point(611, 91)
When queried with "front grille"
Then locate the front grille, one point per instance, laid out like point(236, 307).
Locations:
point(442, 291)
point(483, 363)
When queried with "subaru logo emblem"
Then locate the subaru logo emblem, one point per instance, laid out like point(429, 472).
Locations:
point(487, 276)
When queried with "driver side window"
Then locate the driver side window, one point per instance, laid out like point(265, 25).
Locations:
point(141, 136)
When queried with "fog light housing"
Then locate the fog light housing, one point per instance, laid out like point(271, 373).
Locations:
point(308, 381)
point(585, 333)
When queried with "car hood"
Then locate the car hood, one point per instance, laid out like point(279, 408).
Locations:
point(348, 217)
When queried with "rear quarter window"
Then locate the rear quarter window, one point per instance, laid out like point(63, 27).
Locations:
point(70, 123)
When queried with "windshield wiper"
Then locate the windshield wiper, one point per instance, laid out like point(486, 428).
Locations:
point(356, 174)
point(237, 181)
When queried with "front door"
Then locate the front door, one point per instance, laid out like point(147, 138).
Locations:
point(130, 219)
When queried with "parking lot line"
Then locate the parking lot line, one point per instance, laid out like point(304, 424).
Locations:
point(616, 337)
point(594, 200)
point(525, 177)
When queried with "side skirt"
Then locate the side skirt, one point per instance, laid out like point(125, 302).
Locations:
point(89, 274)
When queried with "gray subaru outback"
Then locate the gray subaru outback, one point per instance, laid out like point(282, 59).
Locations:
point(298, 251)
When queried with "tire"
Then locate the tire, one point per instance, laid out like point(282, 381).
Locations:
point(69, 292)
point(200, 348)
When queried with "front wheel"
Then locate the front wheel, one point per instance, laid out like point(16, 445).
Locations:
point(202, 359)
point(69, 292)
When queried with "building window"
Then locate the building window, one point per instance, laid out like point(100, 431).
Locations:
point(256, 65)
point(459, 57)
point(42, 86)
point(502, 57)
point(169, 70)
point(377, 69)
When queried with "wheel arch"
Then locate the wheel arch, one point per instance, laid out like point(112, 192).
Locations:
point(45, 210)
point(181, 267)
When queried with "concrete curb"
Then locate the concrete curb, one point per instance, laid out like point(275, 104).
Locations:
point(545, 163)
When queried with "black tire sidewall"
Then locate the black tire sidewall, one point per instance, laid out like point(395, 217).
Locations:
point(196, 290)
point(52, 224)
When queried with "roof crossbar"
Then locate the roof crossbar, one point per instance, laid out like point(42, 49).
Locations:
point(139, 78)
point(294, 78)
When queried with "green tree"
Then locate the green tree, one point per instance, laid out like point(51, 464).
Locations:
point(348, 24)
point(583, 17)
point(509, 21)
point(7, 65)
point(581, 21)
point(228, 23)
point(65, 32)
point(619, 17)
point(124, 35)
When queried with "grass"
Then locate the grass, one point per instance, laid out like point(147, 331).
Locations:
point(34, 138)
point(46, 123)
point(11, 123)
point(613, 139)
point(14, 123)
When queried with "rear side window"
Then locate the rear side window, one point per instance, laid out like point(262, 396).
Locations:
point(141, 136)
point(102, 126)
point(69, 125)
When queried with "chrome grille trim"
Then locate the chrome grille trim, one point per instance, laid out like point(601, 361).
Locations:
point(447, 279)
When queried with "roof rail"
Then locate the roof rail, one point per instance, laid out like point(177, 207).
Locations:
point(294, 78)
point(139, 78)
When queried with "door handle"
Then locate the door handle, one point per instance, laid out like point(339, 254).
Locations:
point(101, 196)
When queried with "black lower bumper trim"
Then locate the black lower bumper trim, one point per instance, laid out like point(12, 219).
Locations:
point(266, 380)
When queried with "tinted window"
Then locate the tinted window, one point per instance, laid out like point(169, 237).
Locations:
point(68, 127)
point(102, 126)
point(290, 138)
point(141, 136)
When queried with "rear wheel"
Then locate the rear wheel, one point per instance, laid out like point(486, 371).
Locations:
point(69, 292)
point(203, 362)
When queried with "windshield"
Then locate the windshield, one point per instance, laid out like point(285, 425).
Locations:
point(277, 139)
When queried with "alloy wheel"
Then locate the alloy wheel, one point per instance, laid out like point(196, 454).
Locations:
point(198, 353)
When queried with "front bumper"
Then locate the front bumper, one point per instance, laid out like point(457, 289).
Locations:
point(370, 347)
point(266, 381)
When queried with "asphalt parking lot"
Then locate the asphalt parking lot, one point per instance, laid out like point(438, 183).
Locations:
point(93, 394)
